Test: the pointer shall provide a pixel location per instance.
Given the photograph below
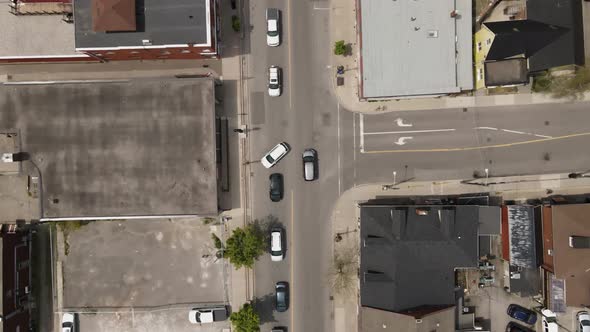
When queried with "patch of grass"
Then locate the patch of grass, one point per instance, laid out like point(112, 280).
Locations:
point(340, 47)
point(217, 241)
point(68, 227)
point(502, 90)
point(235, 23)
point(209, 220)
point(541, 83)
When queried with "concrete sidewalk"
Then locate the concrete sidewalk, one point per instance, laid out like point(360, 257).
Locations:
point(343, 27)
point(345, 216)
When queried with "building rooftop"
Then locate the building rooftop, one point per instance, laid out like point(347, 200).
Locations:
point(27, 36)
point(408, 259)
point(412, 48)
point(571, 264)
point(134, 148)
point(375, 320)
point(550, 34)
point(178, 22)
point(506, 72)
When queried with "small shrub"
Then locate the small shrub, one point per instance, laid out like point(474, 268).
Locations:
point(340, 48)
point(235, 23)
point(208, 220)
point(217, 241)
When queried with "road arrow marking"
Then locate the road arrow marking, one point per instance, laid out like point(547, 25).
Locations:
point(400, 123)
point(402, 140)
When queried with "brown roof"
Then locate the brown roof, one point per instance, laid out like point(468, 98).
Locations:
point(113, 15)
point(572, 265)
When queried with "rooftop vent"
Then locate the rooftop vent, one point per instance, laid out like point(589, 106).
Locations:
point(146, 42)
point(432, 33)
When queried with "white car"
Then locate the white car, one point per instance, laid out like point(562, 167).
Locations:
point(274, 81)
point(274, 155)
point(273, 26)
point(549, 321)
point(583, 321)
point(67, 322)
point(207, 315)
point(276, 244)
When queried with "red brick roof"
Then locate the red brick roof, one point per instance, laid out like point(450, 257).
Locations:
point(113, 15)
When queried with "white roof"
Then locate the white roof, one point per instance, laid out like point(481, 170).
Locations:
point(415, 47)
point(275, 241)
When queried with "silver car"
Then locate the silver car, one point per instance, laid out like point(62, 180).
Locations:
point(309, 164)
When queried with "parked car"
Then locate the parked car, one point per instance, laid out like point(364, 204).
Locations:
point(275, 81)
point(522, 314)
point(68, 322)
point(549, 321)
point(276, 187)
point(273, 27)
point(515, 327)
point(207, 315)
point(277, 248)
point(275, 154)
point(282, 296)
point(309, 164)
point(583, 321)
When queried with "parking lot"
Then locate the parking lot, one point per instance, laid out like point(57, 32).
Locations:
point(111, 266)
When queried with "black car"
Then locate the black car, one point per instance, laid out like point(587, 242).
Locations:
point(282, 296)
point(276, 187)
point(522, 314)
point(515, 327)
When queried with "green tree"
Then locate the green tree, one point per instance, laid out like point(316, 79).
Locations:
point(340, 47)
point(244, 246)
point(245, 320)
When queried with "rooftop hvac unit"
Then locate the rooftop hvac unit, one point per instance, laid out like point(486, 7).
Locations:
point(146, 42)
point(418, 321)
point(7, 157)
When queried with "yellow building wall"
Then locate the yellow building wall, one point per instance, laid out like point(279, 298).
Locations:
point(481, 46)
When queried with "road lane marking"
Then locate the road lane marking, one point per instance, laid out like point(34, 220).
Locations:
point(362, 126)
point(471, 148)
point(410, 131)
point(513, 132)
point(402, 140)
point(339, 161)
point(292, 324)
point(400, 123)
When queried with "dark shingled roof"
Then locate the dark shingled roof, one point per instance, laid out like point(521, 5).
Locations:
point(551, 36)
point(408, 260)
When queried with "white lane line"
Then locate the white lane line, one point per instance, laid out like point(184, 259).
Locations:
point(543, 136)
point(514, 131)
point(339, 162)
point(409, 131)
point(488, 128)
point(362, 126)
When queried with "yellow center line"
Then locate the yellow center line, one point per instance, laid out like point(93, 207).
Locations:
point(292, 261)
point(471, 148)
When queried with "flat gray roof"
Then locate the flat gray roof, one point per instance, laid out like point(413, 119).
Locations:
point(144, 147)
point(415, 47)
point(162, 22)
point(506, 72)
point(27, 35)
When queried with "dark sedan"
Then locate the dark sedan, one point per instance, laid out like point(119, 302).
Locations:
point(282, 296)
point(522, 314)
point(276, 187)
point(515, 327)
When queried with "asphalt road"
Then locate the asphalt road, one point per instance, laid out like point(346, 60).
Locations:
point(354, 149)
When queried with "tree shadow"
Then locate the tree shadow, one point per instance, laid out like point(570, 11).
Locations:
point(264, 306)
point(264, 227)
point(348, 50)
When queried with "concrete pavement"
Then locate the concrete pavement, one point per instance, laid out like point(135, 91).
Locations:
point(343, 27)
point(344, 218)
